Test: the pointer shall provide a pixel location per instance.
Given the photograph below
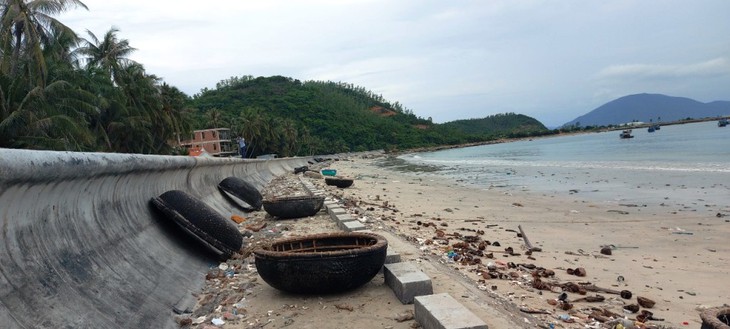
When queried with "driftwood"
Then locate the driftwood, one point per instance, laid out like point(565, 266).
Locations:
point(593, 287)
point(527, 241)
point(534, 310)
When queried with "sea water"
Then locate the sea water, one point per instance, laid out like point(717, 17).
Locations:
point(679, 166)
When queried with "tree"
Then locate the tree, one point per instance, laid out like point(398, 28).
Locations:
point(250, 122)
point(110, 54)
point(214, 117)
point(25, 25)
point(50, 117)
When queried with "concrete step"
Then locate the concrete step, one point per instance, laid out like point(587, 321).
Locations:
point(407, 281)
point(352, 226)
point(441, 311)
point(336, 211)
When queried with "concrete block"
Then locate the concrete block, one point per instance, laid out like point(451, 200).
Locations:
point(352, 226)
point(441, 311)
point(334, 211)
point(343, 218)
point(329, 204)
point(407, 281)
point(392, 256)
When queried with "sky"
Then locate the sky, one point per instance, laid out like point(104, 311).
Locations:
point(447, 60)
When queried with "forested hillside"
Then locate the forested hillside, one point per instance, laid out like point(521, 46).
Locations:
point(499, 125)
point(289, 117)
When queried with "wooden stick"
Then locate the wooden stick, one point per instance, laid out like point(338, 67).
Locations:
point(527, 241)
point(593, 287)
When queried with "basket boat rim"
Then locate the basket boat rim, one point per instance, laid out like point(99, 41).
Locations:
point(266, 252)
point(293, 198)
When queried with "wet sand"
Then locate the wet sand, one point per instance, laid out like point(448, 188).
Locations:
point(676, 255)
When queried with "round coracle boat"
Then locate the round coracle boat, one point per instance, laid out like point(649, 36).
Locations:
point(202, 222)
point(716, 318)
point(294, 207)
point(243, 190)
point(340, 182)
point(321, 263)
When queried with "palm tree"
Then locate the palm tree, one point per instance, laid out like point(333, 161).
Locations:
point(250, 123)
point(289, 135)
point(110, 54)
point(179, 117)
point(214, 117)
point(50, 117)
point(26, 26)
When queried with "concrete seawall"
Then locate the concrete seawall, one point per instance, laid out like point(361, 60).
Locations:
point(81, 246)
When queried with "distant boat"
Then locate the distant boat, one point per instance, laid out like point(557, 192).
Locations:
point(722, 123)
point(657, 127)
point(651, 129)
point(626, 134)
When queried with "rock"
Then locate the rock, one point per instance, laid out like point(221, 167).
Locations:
point(405, 316)
point(633, 308)
point(606, 251)
point(645, 302)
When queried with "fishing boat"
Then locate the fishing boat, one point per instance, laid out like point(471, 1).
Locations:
point(651, 129)
point(722, 123)
point(321, 263)
point(626, 134)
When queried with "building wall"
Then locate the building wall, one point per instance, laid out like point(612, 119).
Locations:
point(216, 142)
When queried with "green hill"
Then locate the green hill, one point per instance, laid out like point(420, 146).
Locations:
point(499, 125)
point(289, 117)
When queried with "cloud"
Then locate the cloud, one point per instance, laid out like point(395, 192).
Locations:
point(714, 67)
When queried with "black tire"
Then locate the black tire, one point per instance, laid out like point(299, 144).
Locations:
point(242, 190)
point(195, 217)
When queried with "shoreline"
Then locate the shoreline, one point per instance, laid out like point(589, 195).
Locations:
point(674, 260)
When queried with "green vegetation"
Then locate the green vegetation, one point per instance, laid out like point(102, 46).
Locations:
point(509, 125)
point(289, 117)
point(60, 91)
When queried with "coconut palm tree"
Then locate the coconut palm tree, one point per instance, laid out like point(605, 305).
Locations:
point(214, 117)
point(289, 135)
point(50, 117)
point(110, 53)
point(26, 27)
point(250, 123)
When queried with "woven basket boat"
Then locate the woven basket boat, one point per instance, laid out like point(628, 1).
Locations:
point(243, 190)
point(294, 207)
point(340, 182)
point(716, 318)
point(321, 263)
point(202, 222)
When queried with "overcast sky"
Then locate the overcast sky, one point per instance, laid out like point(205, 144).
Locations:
point(449, 60)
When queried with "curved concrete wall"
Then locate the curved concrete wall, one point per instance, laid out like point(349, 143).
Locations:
point(81, 247)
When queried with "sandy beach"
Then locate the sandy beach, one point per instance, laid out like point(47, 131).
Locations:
point(677, 258)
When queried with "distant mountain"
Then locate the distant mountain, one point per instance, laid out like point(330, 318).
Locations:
point(650, 107)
